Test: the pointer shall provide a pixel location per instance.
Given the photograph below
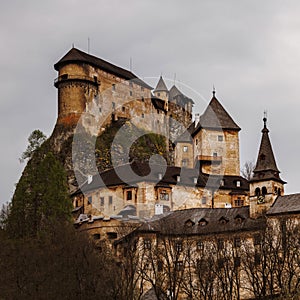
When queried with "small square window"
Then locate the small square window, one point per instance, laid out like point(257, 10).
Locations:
point(238, 183)
point(178, 246)
point(123, 108)
point(130, 93)
point(129, 195)
point(203, 200)
point(143, 116)
point(215, 154)
point(143, 99)
point(147, 244)
point(185, 148)
point(164, 195)
point(101, 201)
point(110, 200)
point(220, 138)
point(200, 245)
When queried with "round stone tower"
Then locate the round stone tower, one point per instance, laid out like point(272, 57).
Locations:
point(77, 84)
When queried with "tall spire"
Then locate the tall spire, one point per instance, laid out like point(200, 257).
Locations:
point(266, 167)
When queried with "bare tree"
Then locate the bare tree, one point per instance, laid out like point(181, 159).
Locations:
point(247, 169)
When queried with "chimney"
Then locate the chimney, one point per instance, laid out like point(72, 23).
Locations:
point(90, 179)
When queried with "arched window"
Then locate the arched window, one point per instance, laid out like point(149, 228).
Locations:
point(257, 192)
point(264, 191)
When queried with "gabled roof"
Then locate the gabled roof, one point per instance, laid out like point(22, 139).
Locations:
point(266, 167)
point(174, 223)
point(288, 204)
point(216, 117)
point(161, 86)
point(175, 95)
point(75, 56)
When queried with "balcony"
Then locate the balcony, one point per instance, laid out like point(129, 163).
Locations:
point(80, 78)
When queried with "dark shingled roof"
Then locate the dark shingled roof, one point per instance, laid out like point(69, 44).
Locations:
point(216, 117)
point(130, 174)
point(176, 96)
point(75, 56)
point(161, 86)
point(289, 204)
point(266, 167)
point(187, 221)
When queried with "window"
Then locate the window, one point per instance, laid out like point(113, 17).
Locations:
point(147, 244)
point(220, 244)
point(238, 183)
point(239, 202)
point(90, 200)
point(215, 154)
point(264, 191)
point(158, 94)
point(113, 87)
point(185, 148)
point(101, 201)
point(129, 195)
point(203, 200)
point(220, 138)
point(130, 93)
point(112, 235)
point(143, 99)
point(178, 265)
point(200, 245)
point(221, 182)
point(110, 200)
point(113, 105)
point(100, 109)
point(143, 116)
point(237, 242)
point(196, 141)
point(178, 246)
point(237, 261)
point(257, 239)
point(142, 88)
point(164, 195)
point(184, 163)
point(130, 83)
point(202, 222)
point(96, 236)
point(257, 192)
point(123, 108)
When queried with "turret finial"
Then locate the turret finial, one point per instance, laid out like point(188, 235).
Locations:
point(265, 119)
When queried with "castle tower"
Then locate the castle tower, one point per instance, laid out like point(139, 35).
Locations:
point(161, 91)
point(76, 86)
point(266, 183)
point(216, 141)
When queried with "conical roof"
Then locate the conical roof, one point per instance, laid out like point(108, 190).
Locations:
point(161, 86)
point(266, 167)
point(216, 117)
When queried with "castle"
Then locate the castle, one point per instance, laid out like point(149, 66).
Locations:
point(197, 207)
point(205, 171)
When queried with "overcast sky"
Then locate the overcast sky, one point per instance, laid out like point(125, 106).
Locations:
point(250, 51)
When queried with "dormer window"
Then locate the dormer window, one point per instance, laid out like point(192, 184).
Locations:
point(189, 223)
point(222, 182)
point(202, 222)
point(238, 183)
point(128, 195)
point(164, 195)
point(223, 221)
point(239, 219)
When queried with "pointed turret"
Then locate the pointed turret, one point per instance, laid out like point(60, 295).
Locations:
point(216, 117)
point(266, 183)
point(161, 86)
point(161, 91)
point(266, 167)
